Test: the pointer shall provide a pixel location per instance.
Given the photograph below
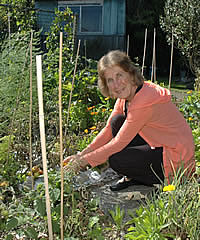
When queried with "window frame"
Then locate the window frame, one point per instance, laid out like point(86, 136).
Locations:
point(80, 4)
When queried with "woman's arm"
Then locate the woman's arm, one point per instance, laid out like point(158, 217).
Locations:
point(77, 161)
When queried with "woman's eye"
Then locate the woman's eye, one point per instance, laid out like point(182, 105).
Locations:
point(119, 75)
point(109, 80)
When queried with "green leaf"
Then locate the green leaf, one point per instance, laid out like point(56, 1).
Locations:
point(93, 221)
point(9, 237)
point(41, 207)
point(30, 232)
point(11, 223)
point(55, 194)
point(56, 226)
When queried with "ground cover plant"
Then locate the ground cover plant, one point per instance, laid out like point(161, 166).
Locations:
point(171, 214)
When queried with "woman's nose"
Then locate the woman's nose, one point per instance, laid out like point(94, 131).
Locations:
point(116, 83)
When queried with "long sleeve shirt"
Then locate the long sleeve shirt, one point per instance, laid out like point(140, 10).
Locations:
point(152, 114)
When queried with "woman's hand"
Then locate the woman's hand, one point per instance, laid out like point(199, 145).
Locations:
point(74, 163)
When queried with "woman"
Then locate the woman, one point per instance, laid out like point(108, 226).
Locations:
point(146, 138)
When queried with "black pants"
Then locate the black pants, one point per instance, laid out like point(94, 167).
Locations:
point(137, 160)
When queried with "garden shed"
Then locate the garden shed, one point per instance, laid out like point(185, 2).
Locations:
point(101, 23)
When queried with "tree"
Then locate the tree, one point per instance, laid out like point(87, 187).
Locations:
point(182, 17)
point(16, 15)
point(140, 15)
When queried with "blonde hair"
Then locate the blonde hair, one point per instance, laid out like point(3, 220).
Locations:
point(120, 59)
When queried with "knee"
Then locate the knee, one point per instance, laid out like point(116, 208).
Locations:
point(114, 162)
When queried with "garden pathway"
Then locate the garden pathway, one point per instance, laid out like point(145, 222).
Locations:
point(128, 199)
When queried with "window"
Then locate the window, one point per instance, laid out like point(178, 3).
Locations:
point(89, 15)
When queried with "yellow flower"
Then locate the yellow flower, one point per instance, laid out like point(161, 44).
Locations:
point(103, 109)
point(92, 128)
point(169, 188)
point(110, 110)
point(190, 118)
point(107, 98)
point(86, 130)
point(188, 92)
point(79, 100)
point(95, 132)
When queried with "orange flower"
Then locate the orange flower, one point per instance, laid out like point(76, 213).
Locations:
point(90, 108)
point(92, 128)
point(190, 118)
point(103, 109)
point(65, 164)
point(94, 113)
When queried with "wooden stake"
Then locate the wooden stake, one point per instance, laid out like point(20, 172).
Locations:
point(171, 63)
point(30, 111)
point(70, 97)
point(43, 142)
point(153, 70)
point(154, 62)
point(73, 35)
point(127, 50)
point(144, 54)
point(61, 139)
point(85, 47)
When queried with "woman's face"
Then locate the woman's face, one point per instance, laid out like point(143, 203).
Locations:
point(119, 83)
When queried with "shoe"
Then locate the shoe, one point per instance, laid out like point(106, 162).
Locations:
point(123, 184)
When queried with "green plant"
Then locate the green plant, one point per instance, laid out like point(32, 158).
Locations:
point(173, 213)
point(190, 107)
point(196, 134)
point(118, 217)
point(182, 19)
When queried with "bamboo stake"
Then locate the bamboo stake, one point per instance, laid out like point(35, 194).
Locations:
point(171, 63)
point(127, 50)
point(43, 142)
point(144, 54)
point(73, 35)
point(30, 111)
point(153, 58)
point(70, 97)
point(61, 138)
point(154, 62)
point(85, 47)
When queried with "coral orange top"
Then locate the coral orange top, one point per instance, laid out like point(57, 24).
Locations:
point(152, 114)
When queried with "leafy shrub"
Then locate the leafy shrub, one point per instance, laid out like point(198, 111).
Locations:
point(170, 215)
point(190, 107)
point(26, 216)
